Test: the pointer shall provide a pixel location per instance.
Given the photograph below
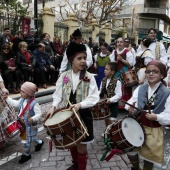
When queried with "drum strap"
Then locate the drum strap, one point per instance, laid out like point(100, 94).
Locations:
point(25, 108)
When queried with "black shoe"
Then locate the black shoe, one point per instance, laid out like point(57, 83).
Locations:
point(24, 158)
point(38, 146)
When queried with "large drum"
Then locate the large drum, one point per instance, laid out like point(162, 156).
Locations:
point(125, 134)
point(65, 129)
point(7, 116)
point(129, 78)
point(100, 110)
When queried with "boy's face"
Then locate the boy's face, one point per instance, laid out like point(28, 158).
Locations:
point(79, 62)
point(24, 95)
point(153, 74)
point(108, 72)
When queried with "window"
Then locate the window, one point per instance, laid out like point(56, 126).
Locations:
point(146, 23)
point(25, 2)
point(153, 3)
point(75, 6)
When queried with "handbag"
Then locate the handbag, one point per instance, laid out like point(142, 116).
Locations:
point(10, 62)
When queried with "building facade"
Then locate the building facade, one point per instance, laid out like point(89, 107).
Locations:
point(145, 14)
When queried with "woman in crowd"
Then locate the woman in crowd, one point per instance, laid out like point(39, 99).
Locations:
point(101, 60)
point(142, 59)
point(124, 58)
point(25, 61)
point(58, 50)
point(10, 73)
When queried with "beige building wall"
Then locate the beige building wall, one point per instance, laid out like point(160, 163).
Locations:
point(48, 20)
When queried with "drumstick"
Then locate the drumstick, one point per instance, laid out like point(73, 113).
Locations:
point(133, 106)
point(78, 118)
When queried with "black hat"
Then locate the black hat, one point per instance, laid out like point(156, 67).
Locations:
point(76, 33)
point(73, 49)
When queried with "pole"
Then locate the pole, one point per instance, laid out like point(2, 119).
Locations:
point(36, 18)
point(133, 21)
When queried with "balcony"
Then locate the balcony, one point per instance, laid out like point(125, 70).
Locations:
point(161, 9)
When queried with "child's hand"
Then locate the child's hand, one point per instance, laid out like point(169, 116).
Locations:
point(76, 106)
point(50, 112)
point(151, 116)
point(132, 109)
point(108, 101)
point(30, 120)
point(5, 93)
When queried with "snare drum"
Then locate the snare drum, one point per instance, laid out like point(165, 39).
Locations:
point(65, 129)
point(125, 134)
point(100, 110)
point(12, 129)
point(129, 78)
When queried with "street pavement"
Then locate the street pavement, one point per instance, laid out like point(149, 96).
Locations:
point(61, 159)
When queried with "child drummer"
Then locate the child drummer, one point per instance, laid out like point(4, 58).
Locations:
point(110, 90)
point(154, 98)
point(78, 86)
point(29, 111)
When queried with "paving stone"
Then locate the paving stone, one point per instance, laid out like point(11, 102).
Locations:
point(48, 164)
point(108, 164)
point(35, 163)
point(95, 163)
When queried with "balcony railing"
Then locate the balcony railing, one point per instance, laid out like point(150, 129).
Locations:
point(160, 6)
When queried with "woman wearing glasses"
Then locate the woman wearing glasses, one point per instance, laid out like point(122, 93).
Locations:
point(154, 99)
point(9, 71)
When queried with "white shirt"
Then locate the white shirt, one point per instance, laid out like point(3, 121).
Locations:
point(89, 60)
point(129, 56)
point(89, 101)
point(152, 47)
point(37, 109)
point(1, 78)
point(118, 91)
point(147, 55)
point(164, 117)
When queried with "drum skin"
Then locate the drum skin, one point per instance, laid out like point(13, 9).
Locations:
point(118, 138)
point(130, 78)
point(100, 111)
point(67, 133)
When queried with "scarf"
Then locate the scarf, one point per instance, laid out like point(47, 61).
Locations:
point(27, 57)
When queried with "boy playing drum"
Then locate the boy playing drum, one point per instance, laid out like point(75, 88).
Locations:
point(110, 89)
point(78, 86)
point(154, 99)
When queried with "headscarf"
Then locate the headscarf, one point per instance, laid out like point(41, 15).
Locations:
point(160, 65)
point(29, 88)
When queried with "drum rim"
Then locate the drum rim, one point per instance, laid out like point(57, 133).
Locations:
point(73, 143)
point(61, 123)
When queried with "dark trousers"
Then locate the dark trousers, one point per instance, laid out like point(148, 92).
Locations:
point(42, 77)
point(10, 77)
